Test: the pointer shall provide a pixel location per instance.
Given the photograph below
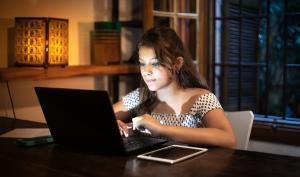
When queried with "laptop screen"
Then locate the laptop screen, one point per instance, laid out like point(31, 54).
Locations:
point(82, 118)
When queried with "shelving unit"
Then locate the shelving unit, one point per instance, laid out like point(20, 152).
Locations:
point(14, 73)
point(36, 73)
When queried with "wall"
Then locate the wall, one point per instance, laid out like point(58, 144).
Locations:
point(25, 102)
point(81, 15)
point(274, 148)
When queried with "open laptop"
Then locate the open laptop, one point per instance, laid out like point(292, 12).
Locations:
point(85, 119)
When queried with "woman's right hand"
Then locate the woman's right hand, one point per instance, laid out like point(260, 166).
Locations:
point(123, 127)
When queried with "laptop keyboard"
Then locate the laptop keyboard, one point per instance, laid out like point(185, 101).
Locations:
point(134, 143)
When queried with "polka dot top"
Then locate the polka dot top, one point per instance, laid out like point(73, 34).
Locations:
point(193, 118)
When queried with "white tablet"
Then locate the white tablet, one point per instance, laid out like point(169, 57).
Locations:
point(172, 154)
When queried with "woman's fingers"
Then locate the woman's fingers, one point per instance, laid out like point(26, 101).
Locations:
point(123, 128)
point(135, 122)
point(123, 132)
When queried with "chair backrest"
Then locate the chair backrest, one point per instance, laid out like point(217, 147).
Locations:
point(241, 122)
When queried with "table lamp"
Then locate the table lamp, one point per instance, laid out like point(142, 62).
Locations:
point(41, 41)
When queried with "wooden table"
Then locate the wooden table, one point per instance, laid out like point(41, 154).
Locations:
point(52, 160)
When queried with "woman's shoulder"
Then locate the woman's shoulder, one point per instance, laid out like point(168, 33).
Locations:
point(131, 100)
point(134, 93)
point(197, 92)
point(201, 94)
point(205, 101)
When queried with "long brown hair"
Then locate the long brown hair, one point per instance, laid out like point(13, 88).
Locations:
point(168, 47)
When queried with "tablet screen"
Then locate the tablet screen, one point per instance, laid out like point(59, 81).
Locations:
point(173, 153)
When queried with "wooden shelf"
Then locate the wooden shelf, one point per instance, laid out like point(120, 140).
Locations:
point(14, 73)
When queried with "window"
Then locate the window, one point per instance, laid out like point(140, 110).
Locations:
point(255, 60)
point(188, 18)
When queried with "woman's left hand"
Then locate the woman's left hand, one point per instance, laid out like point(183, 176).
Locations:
point(148, 122)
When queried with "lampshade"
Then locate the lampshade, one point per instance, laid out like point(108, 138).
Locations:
point(41, 41)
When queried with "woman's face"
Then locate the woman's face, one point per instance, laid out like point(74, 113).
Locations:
point(154, 74)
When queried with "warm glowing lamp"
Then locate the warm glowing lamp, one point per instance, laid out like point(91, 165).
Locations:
point(41, 41)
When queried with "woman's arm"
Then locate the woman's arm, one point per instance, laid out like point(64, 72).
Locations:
point(121, 111)
point(217, 131)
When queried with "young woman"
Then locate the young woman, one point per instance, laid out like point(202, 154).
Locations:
point(172, 101)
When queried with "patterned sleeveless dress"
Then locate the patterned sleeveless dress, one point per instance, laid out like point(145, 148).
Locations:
point(203, 104)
